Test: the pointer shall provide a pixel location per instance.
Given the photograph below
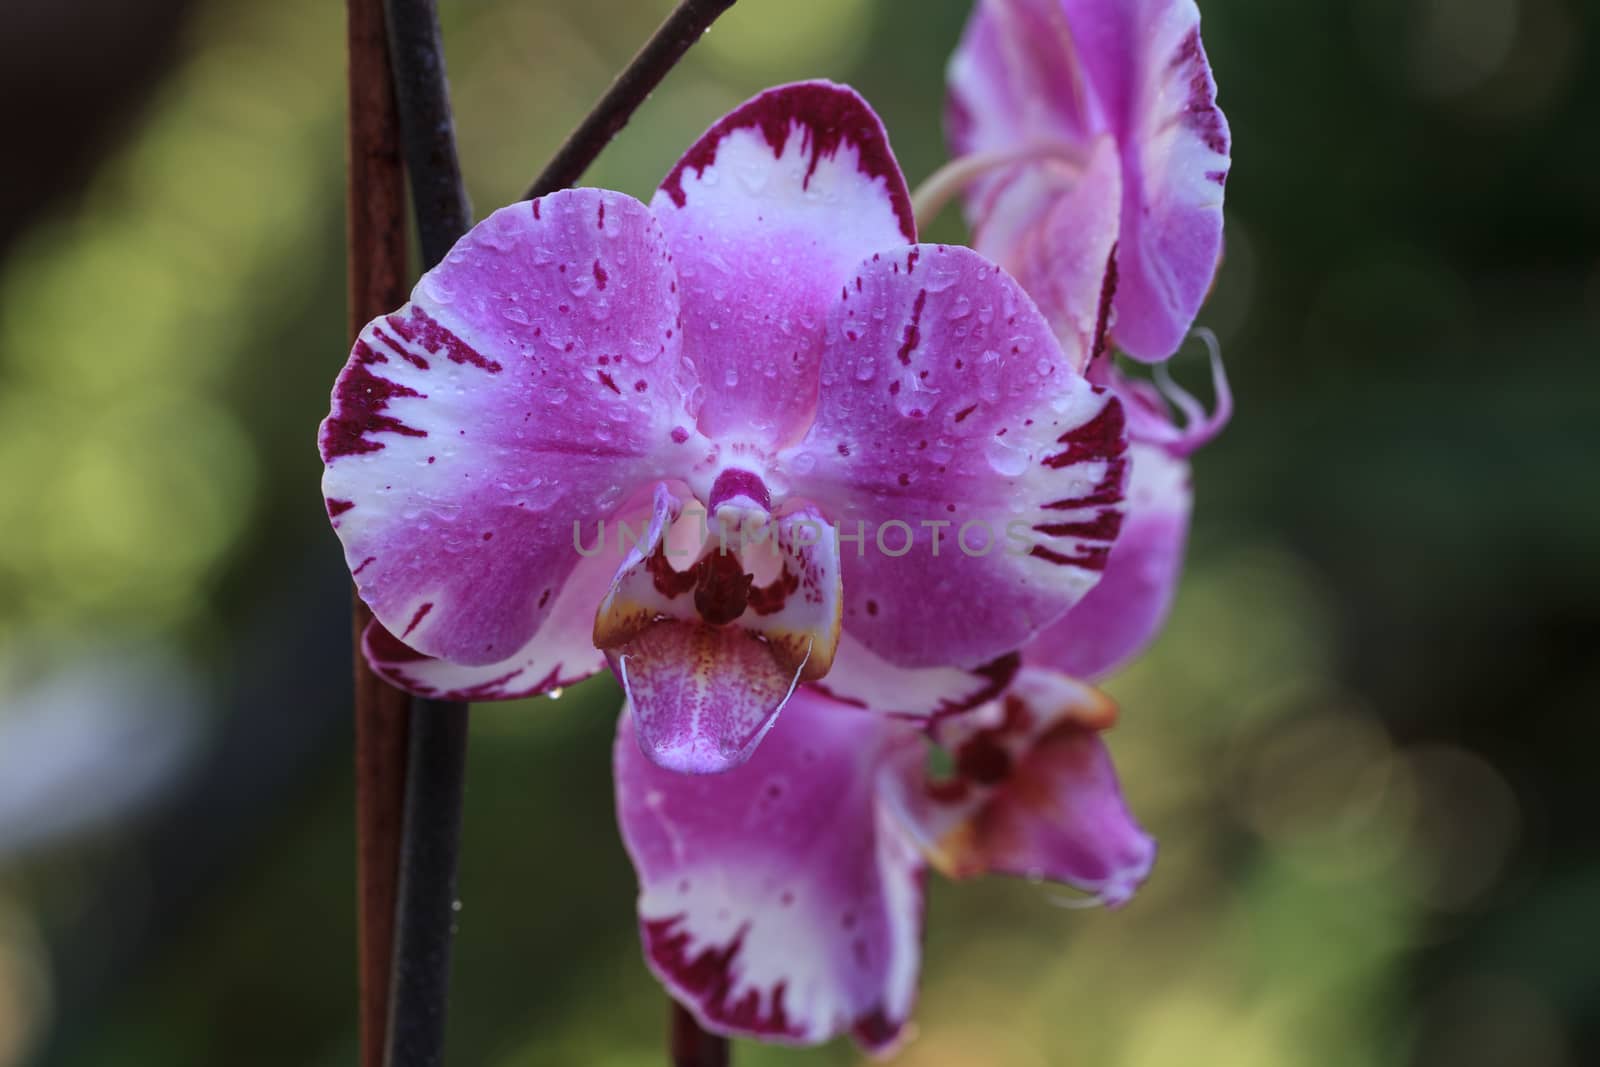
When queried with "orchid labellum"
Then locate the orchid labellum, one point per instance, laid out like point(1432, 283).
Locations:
point(726, 441)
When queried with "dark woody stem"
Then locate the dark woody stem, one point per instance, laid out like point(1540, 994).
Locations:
point(436, 768)
point(674, 37)
point(691, 1045)
point(375, 198)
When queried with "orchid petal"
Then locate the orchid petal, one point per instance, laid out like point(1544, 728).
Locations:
point(1034, 793)
point(765, 215)
point(1068, 262)
point(866, 680)
point(533, 381)
point(1150, 71)
point(977, 479)
point(778, 900)
point(561, 653)
point(1015, 77)
point(1030, 74)
point(1124, 613)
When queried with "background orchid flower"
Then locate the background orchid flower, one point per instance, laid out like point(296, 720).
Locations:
point(784, 899)
point(764, 344)
point(1121, 615)
point(1102, 155)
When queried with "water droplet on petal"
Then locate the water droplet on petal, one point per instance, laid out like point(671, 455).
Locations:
point(1006, 460)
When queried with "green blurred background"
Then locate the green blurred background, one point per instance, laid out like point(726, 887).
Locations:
point(1366, 741)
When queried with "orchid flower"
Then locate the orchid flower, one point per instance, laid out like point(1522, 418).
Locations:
point(726, 441)
point(784, 899)
point(1093, 156)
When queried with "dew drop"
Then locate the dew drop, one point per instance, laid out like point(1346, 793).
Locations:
point(1005, 459)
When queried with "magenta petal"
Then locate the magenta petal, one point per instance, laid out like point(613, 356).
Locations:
point(1054, 74)
point(534, 381)
point(976, 477)
point(1125, 612)
point(1176, 148)
point(765, 216)
point(1015, 78)
point(561, 653)
point(1068, 262)
point(778, 900)
point(866, 680)
point(1034, 793)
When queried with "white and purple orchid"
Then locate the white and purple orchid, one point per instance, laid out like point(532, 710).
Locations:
point(763, 351)
point(784, 899)
point(1094, 157)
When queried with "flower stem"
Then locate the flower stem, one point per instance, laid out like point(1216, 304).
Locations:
point(375, 198)
point(691, 1045)
point(945, 183)
point(427, 127)
point(674, 37)
point(425, 921)
point(436, 766)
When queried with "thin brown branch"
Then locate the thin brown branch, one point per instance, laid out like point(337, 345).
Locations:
point(376, 264)
point(672, 39)
point(691, 1045)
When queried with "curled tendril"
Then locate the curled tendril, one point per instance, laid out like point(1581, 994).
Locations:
point(1198, 428)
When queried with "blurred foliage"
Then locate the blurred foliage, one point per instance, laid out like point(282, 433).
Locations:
point(1364, 742)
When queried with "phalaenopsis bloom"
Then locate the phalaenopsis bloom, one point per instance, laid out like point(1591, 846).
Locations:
point(784, 899)
point(765, 353)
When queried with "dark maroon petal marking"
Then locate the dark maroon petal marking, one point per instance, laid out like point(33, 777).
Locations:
point(913, 334)
point(668, 582)
point(828, 116)
point(387, 647)
point(609, 382)
point(1090, 559)
point(735, 482)
point(708, 978)
point(400, 350)
point(723, 589)
point(1102, 435)
point(876, 1030)
point(983, 759)
point(1104, 527)
point(360, 398)
point(338, 507)
point(363, 566)
point(422, 613)
point(1108, 293)
point(995, 676)
point(421, 328)
point(1200, 113)
point(600, 275)
point(1106, 492)
point(770, 598)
